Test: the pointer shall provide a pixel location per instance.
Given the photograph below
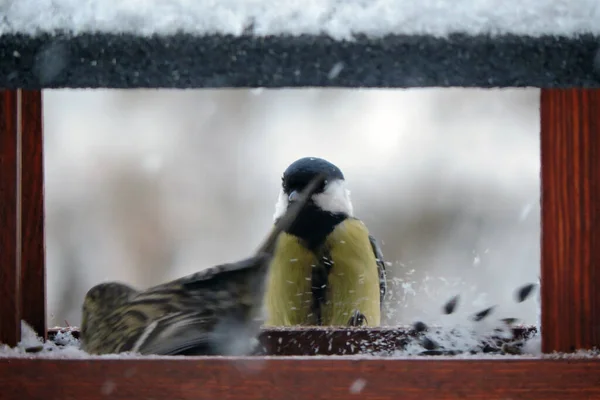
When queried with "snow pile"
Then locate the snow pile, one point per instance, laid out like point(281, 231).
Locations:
point(465, 340)
point(64, 346)
point(463, 327)
point(336, 18)
point(579, 354)
point(458, 332)
point(31, 345)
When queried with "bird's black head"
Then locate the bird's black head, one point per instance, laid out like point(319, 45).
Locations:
point(302, 171)
point(329, 206)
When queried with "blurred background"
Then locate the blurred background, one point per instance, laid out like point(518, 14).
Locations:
point(144, 186)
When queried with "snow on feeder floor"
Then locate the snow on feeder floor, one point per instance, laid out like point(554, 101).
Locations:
point(308, 343)
point(479, 334)
point(389, 342)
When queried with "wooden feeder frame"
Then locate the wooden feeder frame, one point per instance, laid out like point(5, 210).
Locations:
point(570, 267)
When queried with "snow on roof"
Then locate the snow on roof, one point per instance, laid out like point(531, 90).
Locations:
point(337, 18)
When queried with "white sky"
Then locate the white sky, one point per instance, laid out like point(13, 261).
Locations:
point(148, 185)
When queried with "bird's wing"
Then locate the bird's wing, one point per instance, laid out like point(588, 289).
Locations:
point(202, 313)
point(380, 268)
point(265, 251)
point(178, 334)
point(200, 330)
point(162, 320)
point(210, 276)
point(188, 315)
point(170, 318)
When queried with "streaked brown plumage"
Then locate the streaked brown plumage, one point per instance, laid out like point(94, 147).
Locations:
point(215, 311)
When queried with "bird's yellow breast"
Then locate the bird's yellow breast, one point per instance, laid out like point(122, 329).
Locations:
point(352, 285)
point(353, 282)
point(288, 298)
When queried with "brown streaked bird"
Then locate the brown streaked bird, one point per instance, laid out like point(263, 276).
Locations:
point(217, 311)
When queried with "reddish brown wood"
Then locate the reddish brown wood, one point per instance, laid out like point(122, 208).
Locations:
point(310, 341)
point(10, 327)
point(570, 145)
point(296, 379)
point(33, 273)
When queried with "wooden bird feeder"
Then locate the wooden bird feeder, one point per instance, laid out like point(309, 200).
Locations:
point(563, 66)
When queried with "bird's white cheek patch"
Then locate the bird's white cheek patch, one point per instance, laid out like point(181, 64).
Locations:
point(335, 198)
point(281, 205)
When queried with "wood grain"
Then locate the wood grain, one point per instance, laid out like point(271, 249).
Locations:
point(570, 147)
point(322, 341)
point(10, 300)
point(289, 378)
point(33, 273)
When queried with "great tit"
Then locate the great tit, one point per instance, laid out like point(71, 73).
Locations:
point(217, 311)
point(327, 268)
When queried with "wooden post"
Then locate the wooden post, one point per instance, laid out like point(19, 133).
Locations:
point(10, 297)
point(33, 271)
point(22, 269)
point(570, 147)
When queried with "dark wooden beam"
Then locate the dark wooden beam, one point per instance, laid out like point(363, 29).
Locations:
point(209, 378)
point(570, 147)
point(33, 272)
point(10, 300)
point(122, 60)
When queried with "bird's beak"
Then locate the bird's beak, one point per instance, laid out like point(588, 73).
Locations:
point(294, 196)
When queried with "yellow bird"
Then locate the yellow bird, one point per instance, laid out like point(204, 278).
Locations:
point(326, 269)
